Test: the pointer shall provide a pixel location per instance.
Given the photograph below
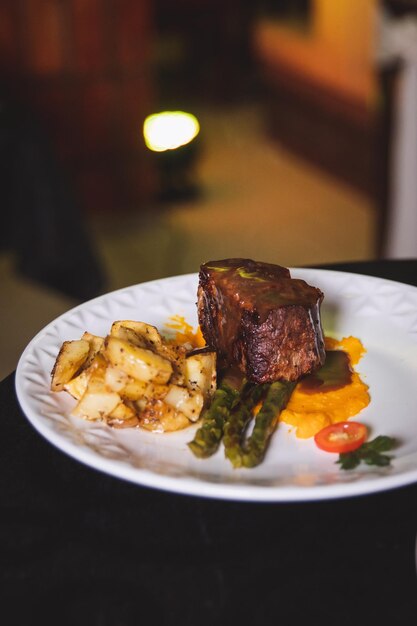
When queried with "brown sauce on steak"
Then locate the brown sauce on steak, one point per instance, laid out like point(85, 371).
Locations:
point(258, 317)
point(334, 374)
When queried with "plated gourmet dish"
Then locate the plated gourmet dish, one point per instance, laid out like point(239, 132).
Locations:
point(258, 356)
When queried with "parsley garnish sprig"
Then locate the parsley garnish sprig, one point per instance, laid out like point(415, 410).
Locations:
point(370, 452)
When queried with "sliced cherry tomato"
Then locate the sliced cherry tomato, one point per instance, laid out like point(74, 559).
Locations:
point(341, 437)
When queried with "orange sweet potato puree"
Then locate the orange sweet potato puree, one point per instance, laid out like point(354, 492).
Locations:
point(185, 333)
point(310, 412)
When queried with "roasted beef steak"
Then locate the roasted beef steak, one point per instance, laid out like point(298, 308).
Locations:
point(260, 319)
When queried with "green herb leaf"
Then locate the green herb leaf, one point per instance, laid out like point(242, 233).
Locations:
point(375, 458)
point(349, 460)
point(369, 452)
point(382, 443)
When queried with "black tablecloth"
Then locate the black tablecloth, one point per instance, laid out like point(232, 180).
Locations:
point(80, 547)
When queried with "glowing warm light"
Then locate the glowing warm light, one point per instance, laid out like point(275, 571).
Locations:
point(169, 130)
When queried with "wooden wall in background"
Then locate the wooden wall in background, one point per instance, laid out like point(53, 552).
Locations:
point(83, 68)
point(323, 91)
point(332, 133)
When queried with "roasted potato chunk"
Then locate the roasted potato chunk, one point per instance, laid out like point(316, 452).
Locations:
point(135, 377)
point(98, 401)
point(148, 335)
point(71, 358)
point(200, 372)
point(160, 417)
point(134, 389)
point(77, 386)
point(186, 401)
point(116, 379)
point(140, 363)
point(96, 344)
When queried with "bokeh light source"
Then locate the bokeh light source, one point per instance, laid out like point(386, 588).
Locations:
point(173, 138)
point(169, 130)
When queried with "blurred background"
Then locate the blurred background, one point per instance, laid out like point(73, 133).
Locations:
point(287, 159)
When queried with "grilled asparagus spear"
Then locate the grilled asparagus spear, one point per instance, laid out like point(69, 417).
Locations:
point(254, 449)
point(208, 437)
point(237, 421)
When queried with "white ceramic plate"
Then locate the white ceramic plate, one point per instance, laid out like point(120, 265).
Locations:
point(382, 313)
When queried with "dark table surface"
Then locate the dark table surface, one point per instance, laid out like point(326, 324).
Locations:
point(80, 547)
